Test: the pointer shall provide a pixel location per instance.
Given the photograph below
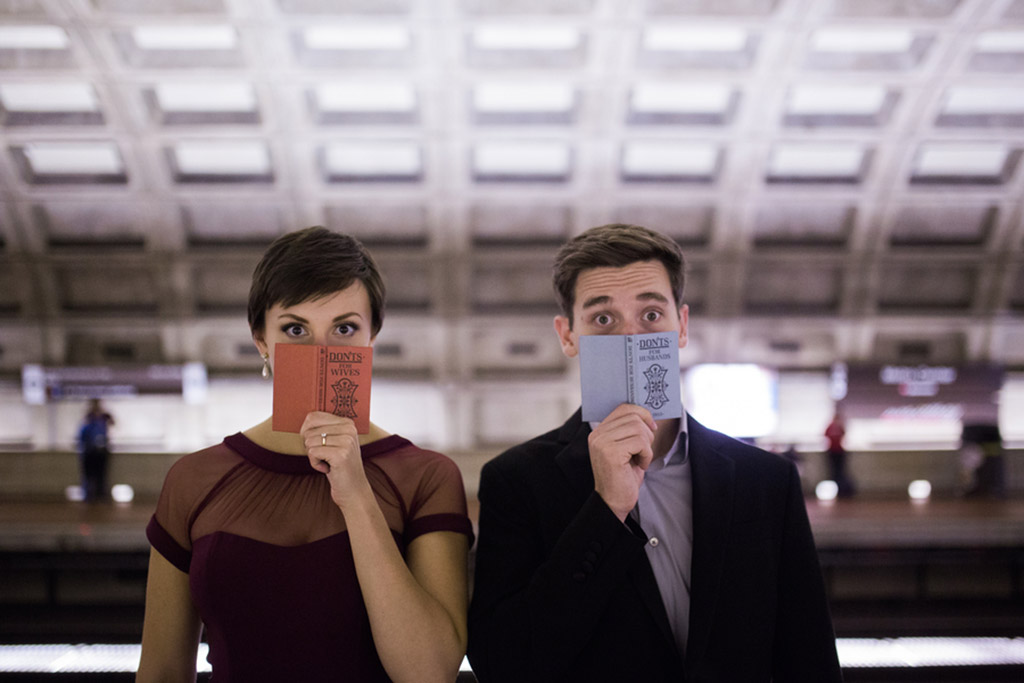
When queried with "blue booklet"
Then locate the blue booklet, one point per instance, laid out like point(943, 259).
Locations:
point(642, 369)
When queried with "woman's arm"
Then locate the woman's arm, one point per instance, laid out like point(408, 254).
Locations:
point(170, 632)
point(417, 610)
point(417, 605)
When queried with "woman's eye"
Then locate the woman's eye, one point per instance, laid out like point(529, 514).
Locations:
point(293, 330)
point(346, 329)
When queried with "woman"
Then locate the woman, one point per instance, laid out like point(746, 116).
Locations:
point(320, 556)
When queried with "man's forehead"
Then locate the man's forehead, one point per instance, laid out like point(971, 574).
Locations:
point(640, 279)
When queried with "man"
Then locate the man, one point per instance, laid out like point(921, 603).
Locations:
point(94, 450)
point(635, 550)
point(834, 433)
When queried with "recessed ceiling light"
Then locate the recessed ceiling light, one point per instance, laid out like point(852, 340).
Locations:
point(522, 159)
point(694, 39)
point(523, 97)
point(681, 98)
point(203, 37)
point(49, 97)
point(1000, 41)
point(43, 37)
point(373, 159)
point(836, 99)
point(866, 40)
point(979, 99)
point(816, 160)
point(195, 97)
point(366, 97)
point(658, 158)
point(213, 157)
point(984, 160)
point(526, 37)
point(357, 37)
point(74, 158)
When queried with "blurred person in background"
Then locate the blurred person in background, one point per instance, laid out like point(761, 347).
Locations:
point(325, 555)
point(94, 451)
point(835, 432)
point(639, 550)
point(982, 470)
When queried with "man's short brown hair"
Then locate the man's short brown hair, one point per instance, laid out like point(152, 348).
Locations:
point(615, 245)
point(310, 264)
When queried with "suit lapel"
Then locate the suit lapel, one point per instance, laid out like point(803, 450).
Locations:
point(713, 492)
point(574, 458)
point(574, 461)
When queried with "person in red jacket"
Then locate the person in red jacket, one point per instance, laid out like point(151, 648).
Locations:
point(835, 432)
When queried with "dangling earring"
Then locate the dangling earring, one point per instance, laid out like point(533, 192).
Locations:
point(266, 366)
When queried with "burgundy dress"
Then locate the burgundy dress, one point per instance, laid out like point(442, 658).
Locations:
point(268, 556)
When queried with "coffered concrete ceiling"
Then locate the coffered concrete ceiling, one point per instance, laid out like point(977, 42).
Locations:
point(845, 175)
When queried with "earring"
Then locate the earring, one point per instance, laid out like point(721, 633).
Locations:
point(266, 366)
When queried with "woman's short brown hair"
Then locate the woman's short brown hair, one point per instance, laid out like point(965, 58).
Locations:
point(615, 245)
point(309, 264)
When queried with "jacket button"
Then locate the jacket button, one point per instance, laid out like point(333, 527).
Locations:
point(596, 546)
point(590, 556)
point(587, 566)
point(579, 577)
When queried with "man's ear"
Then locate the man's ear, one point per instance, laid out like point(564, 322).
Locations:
point(684, 321)
point(563, 328)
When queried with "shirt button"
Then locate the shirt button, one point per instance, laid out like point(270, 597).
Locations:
point(654, 541)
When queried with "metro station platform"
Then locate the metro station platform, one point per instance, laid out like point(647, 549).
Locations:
point(896, 571)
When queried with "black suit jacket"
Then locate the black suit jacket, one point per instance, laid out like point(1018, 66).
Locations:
point(563, 591)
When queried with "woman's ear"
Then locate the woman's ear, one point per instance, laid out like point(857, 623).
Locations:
point(261, 346)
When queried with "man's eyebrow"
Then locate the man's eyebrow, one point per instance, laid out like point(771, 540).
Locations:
point(596, 301)
point(652, 296)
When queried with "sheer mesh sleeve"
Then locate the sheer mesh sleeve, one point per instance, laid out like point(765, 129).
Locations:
point(439, 501)
point(185, 488)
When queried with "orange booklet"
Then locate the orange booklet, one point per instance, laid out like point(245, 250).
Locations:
point(334, 379)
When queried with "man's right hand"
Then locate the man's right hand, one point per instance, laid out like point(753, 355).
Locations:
point(621, 448)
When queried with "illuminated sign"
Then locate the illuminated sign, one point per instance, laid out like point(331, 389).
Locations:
point(923, 392)
point(41, 384)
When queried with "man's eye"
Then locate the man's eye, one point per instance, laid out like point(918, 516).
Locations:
point(603, 319)
point(652, 316)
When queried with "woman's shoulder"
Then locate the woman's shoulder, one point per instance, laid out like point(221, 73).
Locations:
point(400, 448)
point(208, 463)
point(396, 454)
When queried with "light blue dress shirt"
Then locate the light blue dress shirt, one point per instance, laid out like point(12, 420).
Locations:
point(664, 511)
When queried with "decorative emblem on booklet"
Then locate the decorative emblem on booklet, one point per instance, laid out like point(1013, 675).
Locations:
point(642, 369)
point(333, 379)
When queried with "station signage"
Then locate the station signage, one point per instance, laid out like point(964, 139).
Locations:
point(968, 393)
point(41, 385)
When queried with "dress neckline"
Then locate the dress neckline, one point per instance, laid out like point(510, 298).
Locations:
point(274, 461)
